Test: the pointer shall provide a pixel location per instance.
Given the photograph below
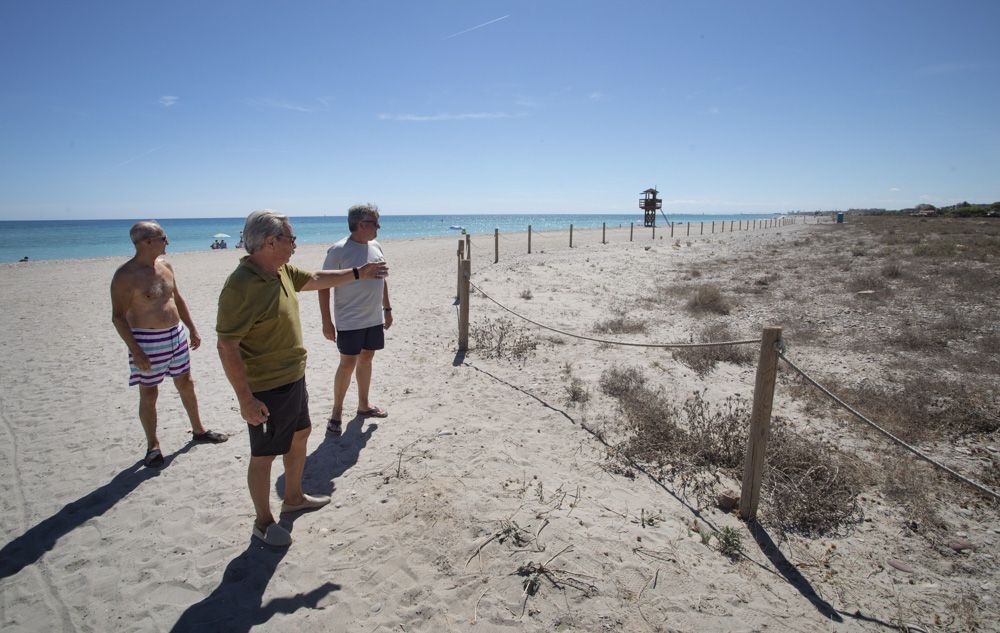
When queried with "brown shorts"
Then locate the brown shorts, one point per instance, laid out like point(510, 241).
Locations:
point(288, 407)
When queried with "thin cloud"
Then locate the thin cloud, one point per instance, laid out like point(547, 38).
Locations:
point(136, 157)
point(168, 100)
point(596, 96)
point(478, 26)
point(282, 104)
point(894, 189)
point(447, 116)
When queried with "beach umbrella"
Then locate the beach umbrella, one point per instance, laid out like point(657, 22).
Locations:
point(220, 235)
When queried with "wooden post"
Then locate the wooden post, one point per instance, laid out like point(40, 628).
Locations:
point(654, 231)
point(571, 236)
point(604, 232)
point(529, 239)
point(671, 230)
point(713, 227)
point(731, 226)
point(631, 230)
point(689, 228)
point(463, 309)
point(461, 256)
point(702, 228)
point(496, 245)
point(760, 423)
point(468, 246)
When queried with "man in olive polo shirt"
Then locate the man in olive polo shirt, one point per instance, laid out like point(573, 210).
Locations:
point(260, 345)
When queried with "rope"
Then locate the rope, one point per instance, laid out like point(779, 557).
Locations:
point(889, 435)
point(609, 342)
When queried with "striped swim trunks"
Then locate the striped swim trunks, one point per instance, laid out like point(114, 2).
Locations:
point(167, 350)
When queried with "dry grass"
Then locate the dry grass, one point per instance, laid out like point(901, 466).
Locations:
point(704, 359)
point(708, 298)
point(808, 487)
point(501, 338)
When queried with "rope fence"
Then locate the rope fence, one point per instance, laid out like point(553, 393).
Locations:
point(734, 226)
point(771, 350)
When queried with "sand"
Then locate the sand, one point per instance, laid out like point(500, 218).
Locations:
point(472, 446)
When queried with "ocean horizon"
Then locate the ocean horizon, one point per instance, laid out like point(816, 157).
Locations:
point(84, 239)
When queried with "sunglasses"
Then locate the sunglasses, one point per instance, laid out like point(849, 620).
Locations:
point(375, 222)
point(290, 238)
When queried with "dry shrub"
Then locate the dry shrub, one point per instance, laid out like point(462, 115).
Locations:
point(620, 324)
point(918, 339)
point(708, 298)
point(866, 281)
point(935, 248)
point(924, 407)
point(808, 487)
point(704, 359)
point(577, 392)
point(501, 338)
point(892, 270)
point(911, 484)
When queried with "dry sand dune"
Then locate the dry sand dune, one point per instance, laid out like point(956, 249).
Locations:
point(482, 469)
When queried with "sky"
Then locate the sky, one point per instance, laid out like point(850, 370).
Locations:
point(128, 108)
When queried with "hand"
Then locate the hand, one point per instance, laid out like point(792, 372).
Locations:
point(195, 339)
point(141, 361)
point(388, 319)
point(254, 412)
point(330, 332)
point(373, 270)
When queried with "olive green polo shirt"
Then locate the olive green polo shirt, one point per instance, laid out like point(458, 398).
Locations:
point(262, 312)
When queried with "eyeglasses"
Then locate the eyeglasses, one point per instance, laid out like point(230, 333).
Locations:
point(375, 222)
point(290, 238)
point(157, 238)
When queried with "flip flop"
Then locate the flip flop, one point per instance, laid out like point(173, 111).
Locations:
point(374, 412)
point(153, 459)
point(213, 437)
point(274, 535)
point(333, 427)
point(309, 502)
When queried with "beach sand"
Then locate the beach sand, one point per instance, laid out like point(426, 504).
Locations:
point(419, 536)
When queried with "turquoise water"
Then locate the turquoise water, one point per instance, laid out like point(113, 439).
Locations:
point(78, 239)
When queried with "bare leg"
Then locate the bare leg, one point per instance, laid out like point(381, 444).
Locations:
point(341, 382)
point(185, 387)
point(259, 482)
point(295, 463)
point(147, 414)
point(364, 375)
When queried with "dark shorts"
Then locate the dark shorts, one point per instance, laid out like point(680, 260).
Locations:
point(289, 412)
point(351, 342)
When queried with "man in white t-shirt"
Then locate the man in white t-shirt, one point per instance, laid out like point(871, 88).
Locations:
point(361, 313)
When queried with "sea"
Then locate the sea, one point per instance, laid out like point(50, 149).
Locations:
point(81, 239)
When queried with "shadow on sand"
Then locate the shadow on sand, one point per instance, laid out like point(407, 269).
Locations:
point(237, 604)
point(32, 545)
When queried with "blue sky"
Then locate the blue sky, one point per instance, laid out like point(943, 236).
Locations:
point(185, 109)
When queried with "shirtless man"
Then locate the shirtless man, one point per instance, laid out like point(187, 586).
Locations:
point(148, 311)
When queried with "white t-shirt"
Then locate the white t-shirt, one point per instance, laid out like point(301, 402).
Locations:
point(357, 304)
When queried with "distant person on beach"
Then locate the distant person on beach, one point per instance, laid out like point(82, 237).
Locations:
point(260, 345)
point(150, 315)
point(361, 314)
point(23, 259)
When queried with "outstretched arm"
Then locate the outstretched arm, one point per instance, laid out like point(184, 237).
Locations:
point(323, 279)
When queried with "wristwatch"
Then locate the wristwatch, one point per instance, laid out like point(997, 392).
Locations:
point(357, 275)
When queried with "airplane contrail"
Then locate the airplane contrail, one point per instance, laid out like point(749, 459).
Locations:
point(477, 27)
point(137, 157)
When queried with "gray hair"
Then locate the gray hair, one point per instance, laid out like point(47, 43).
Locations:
point(144, 229)
point(361, 212)
point(261, 225)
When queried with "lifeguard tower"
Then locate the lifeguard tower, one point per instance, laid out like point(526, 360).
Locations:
point(650, 204)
